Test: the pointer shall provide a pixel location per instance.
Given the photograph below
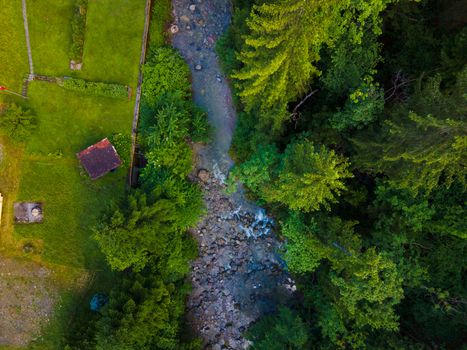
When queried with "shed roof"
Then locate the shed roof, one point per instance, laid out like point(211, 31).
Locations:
point(99, 159)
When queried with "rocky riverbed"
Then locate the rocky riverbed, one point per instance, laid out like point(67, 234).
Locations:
point(239, 274)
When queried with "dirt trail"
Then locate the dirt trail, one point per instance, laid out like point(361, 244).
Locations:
point(239, 274)
point(27, 298)
point(26, 33)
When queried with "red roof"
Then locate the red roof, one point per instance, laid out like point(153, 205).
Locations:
point(99, 159)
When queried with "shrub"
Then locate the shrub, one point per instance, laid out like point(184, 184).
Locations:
point(122, 143)
point(164, 72)
point(285, 330)
point(362, 107)
point(174, 119)
point(96, 88)
point(200, 128)
point(17, 122)
point(78, 28)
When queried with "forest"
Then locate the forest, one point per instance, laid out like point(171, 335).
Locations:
point(352, 131)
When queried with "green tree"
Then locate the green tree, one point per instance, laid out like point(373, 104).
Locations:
point(323, 237)
point(369, 288)
point(16, 122)
point(285, 330)
point(284, 43)
point(309, 177)
point(416, 148)
point(164, 72)
point(257, 171)
point(364, 104)
point(143, 313)
point(356, 291)
point(147, 230)
point(348, 64)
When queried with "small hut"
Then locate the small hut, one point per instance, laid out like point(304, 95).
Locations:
point(99, 159)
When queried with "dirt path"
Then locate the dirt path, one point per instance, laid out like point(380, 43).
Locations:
point(239, 274)
point(28, 41)
point(27, 298)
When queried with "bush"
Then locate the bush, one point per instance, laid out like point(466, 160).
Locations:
point(17, 122)
point(78, 28)
point(362, 107)
point(96, 88)
point(175, 119)
point(164, 72)
point(286, 330)
point(122, 143)
point(200, 128)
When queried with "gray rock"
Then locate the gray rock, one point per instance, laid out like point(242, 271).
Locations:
point(203, 174)
point(174, 29)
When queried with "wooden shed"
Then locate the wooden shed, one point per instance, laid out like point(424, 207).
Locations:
point(99, 159)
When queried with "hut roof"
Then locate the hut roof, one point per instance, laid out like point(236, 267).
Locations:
point(99, 159)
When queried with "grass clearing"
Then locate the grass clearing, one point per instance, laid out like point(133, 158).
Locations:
point(113, 40)
point(13, 54)
point(45, 167)
point(50, 34)
point(51, 173)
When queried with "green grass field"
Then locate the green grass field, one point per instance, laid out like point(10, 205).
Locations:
point(51, 173)
point(69, 122)
point(13, 54)
point(50, 33)
point(113, 40)
point(45, 167)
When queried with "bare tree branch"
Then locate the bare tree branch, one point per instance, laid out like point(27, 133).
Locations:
point(294, 113)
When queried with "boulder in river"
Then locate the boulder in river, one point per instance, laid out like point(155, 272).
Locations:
point(203, 175)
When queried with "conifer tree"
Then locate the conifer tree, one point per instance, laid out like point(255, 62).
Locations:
point(423, 141)
point(282, 48)
point(309, 177)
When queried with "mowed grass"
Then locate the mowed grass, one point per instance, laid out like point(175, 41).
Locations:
point(50, 33)
point(13, 54)
point(45, 167)
point(51, 173)
point(113, 40)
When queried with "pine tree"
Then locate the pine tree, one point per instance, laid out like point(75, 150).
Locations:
point(282, 48)
point(285, 330)
point(423, 141)
point(309, 177)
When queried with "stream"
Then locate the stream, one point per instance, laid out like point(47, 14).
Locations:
point(239, 274)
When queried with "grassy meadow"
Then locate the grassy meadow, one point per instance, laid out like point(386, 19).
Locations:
point(50, 34)
point(45, 168)
point(113, 40)
point(51, 171)
point(13, 54)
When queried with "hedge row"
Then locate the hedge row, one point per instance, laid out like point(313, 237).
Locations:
point(95, 88)
point(78, 28)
